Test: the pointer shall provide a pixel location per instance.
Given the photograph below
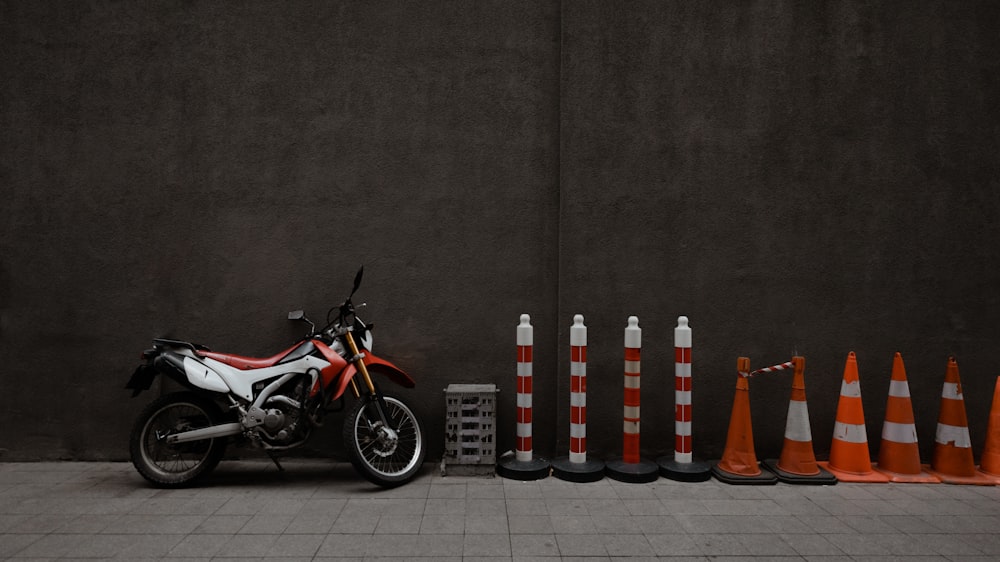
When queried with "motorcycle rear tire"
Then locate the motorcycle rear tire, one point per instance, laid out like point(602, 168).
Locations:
point(175, 466)
point(379, 459)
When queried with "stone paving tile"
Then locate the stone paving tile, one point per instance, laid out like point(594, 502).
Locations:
point(295, 545)
point(575, 507)
point(581, 545)
point(615, 525)
point(534, 545)
point(811, 545)
point(487, 525)
point(485, 491)
point(486, 545)
point(396, 525)
point(627, 545)
point(247, 546)
point(222, 524)
point(199, 545)
point(442, 525)
point(445, 506)
point(266, 524)
point(312, 524)
point(530, 525)
point(674, 545)
point(485, 507)
point(516, 507)
point(573, 525)
point(364, 524)
point(15, 544)
point(655, 524)
point(452, 491)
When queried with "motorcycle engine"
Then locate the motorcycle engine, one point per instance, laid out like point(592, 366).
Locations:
point(282, 412)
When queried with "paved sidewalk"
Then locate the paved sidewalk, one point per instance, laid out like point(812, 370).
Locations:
point(322, 510)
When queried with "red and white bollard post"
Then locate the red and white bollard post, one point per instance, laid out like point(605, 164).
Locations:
point(682, 466)
point(576, 467)
point(631, 467)
point(522, 466)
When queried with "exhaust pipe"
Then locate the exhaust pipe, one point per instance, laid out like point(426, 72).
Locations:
point(223, 430)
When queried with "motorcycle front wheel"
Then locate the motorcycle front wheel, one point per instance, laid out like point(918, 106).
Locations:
point(385, 454)
point(174, 465)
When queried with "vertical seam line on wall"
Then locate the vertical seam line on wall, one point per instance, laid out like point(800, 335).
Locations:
point(559, 222)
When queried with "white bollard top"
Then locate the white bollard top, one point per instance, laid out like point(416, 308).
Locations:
point(633, 333)
point(682, 333)
point(525, 335)
point(578, 332)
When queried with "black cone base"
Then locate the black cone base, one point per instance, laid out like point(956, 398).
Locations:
point(824, 478)
point(633, 473)
point(695, 471)
point(765, 478)
point(535, 469)
point(588, 471)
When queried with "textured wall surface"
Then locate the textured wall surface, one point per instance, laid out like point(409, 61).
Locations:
point(199, 169)
point(811, 177)
point(817, 177)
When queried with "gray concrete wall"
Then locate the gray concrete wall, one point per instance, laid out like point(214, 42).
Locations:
point(810, 177)
point(817, 177)
point(199, 169)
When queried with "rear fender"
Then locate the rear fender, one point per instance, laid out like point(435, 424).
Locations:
point(185, 370)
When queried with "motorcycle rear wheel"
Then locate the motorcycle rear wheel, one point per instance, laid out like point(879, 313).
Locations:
point(175, 465)
point(390, 456)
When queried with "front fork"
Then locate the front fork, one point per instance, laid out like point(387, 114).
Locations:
point(366, 377)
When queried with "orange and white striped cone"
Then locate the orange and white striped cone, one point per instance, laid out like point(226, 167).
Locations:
point(850, 460)
point(739, 463)
point(797, 464)
point(952, 461)
point(899, 454)
point(989, 464)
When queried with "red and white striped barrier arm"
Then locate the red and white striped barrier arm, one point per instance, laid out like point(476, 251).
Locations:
point(771, 369)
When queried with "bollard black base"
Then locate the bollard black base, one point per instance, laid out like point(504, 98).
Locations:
point(634, 473)
point(694, 471)
point(824, 478)
point(765, 478)
point(587, 471)
point(513, 469)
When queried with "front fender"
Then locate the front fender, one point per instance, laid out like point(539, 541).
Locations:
point(395, 374)
point(375, 365)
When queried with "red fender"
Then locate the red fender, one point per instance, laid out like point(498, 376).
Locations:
point(375, 365)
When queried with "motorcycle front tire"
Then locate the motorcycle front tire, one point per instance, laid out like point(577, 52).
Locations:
point(175, 465)
point(388, 457)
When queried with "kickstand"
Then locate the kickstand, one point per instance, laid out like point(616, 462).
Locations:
point(276, 463)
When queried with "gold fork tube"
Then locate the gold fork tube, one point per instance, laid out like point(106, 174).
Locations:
point(360, 363)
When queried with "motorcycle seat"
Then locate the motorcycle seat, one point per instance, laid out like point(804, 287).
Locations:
point(245, 363)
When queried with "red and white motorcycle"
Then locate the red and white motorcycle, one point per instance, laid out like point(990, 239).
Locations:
point(275, 403)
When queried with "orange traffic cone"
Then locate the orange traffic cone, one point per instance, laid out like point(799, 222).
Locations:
point(797, 464)
point(849, 458)
point(739, 461)
point(990, 462)
point(899, 455)
point(952, 461)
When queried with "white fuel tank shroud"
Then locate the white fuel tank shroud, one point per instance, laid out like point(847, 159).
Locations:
point(241, 383)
